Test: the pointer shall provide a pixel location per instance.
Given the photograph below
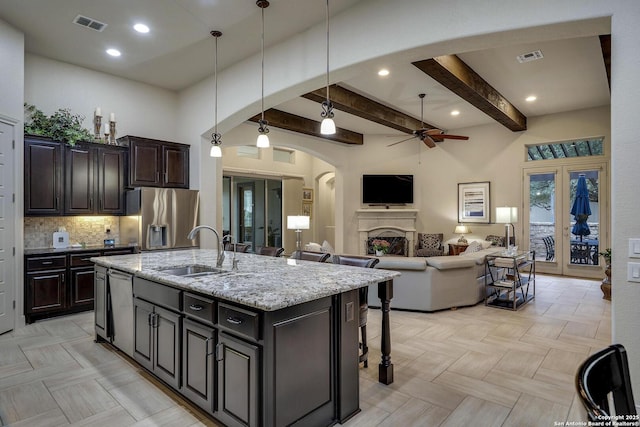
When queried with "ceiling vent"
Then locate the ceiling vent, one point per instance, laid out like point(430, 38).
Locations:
point(531, 56)
point(89, 23)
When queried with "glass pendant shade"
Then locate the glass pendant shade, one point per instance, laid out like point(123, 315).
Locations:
point(263, 141)
point(328, 127)
point(216, 151)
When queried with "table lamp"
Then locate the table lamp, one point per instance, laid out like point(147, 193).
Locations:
point(507, 216)
point(298, 223)
point(462, 230)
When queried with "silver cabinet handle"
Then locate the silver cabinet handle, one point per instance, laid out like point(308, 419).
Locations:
point(47, 262)
point(234, 320)
point(195, 307)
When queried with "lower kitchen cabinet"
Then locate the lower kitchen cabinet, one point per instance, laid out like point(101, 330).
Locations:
point(62, 283)
point(157, 333)
point(238, 378)
point(198, 345)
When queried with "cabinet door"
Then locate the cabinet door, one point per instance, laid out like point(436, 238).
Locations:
point(111, 181)
point(176, 166)
point(143, 338)
point(79, 179)
point(145, 163)
point(197, 363)
point(100, 292)
point(82, 281)
point(46, 291)
point(43, 164)
point(166, 349)
point(237, 381)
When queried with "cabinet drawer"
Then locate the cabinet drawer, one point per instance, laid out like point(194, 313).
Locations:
point(199, 307)
point(241, 321)
point(46, 263)
point(118, 252)
point(81, 260)
point(156, 293)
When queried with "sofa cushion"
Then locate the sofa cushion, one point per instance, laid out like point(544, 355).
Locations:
point(473, 247)
point(449, 262)
point(402, 263)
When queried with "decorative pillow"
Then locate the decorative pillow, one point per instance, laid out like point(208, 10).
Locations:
point(485, 244)
point(312, 246)
point(326, 247)
point(473, 247)
point(429, 241)
point(495, 240)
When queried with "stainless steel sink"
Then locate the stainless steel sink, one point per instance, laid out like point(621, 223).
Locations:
point(193, 270)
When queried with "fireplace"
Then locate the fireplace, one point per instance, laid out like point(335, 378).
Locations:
point(397, 226)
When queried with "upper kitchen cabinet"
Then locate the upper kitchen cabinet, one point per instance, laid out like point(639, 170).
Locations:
point(94, 181)
point(155, 163)
point(86, 179)
point(43, 166)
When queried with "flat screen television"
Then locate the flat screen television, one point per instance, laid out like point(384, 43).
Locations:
point(387, 189)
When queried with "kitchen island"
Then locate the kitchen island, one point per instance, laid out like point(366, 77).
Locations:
point(269, 344)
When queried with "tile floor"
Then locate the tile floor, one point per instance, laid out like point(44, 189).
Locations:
point(472, 366)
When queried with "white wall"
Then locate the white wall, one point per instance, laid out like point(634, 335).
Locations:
point(140, 109)
point(11, 72)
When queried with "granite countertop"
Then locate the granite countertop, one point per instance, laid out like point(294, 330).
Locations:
point(262, 282)
point(88, 248)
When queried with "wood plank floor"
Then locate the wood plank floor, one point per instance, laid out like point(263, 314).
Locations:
point(472, 366)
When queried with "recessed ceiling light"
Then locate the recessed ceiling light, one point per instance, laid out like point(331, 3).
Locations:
point(113, 52)
point(531, 98)
point(141, 28)
point(455, 113)
point(383, 72)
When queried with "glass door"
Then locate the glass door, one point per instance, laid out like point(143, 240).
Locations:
point(567, 243)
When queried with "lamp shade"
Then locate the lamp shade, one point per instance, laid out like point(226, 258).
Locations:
point(506, 215)
point(297, 222)
point(263, 141)
point(462, 229)
point(327, 127)
point(215, 151)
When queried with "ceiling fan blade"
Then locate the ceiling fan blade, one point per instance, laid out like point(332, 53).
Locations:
point(396, 143)
point(428, 141)
point(445, 136)
point(433, 131)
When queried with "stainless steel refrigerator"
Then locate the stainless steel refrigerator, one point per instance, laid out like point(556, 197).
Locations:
point(160, 218)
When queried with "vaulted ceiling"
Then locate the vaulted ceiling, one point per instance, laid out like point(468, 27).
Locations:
point(484, 86)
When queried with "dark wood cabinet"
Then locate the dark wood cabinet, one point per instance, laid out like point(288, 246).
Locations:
point(100, 305)
point(43, 183)
point(94, 181)
point(62, 283)
point(155, 163)
point(85, 179)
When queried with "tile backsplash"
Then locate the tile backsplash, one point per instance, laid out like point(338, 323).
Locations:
point(90, 230)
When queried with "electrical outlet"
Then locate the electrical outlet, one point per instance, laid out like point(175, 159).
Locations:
point(107, 228)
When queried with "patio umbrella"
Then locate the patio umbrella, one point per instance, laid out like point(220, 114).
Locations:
point(581, 209)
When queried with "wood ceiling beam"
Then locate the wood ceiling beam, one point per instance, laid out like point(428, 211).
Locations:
point(451, 72)
point(294, 123)
point(605, 45)
point(368, 109)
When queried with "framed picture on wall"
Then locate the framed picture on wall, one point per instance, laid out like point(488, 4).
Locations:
point(307, 208)
point(307, 194)
point(473, 202)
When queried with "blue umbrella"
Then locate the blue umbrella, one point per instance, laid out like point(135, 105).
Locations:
point(581, 209)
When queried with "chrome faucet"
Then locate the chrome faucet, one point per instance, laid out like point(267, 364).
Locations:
point(192, 235)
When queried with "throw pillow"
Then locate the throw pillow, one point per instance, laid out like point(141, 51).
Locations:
point(473, 247)
point(429, 241)
point(495, 240)
point(326, 247)
point(485, 244)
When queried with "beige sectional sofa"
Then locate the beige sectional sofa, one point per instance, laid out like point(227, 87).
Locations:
point(435, 283)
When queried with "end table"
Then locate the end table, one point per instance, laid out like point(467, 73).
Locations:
point(457, 248)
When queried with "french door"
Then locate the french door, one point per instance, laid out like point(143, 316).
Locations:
point(549, 227)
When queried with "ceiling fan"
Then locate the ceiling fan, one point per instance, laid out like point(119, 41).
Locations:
point(429, 135)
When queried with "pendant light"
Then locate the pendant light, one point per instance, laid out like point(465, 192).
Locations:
point(216, 138)
point(263, 129)
point(327, 127)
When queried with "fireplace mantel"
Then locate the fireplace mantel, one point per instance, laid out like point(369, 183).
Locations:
point(376, 222)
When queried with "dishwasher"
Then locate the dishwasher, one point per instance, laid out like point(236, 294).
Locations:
point(120, 315)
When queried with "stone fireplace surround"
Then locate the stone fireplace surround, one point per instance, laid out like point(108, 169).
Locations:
point(392, 223)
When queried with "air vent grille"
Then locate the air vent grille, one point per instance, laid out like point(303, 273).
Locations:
point(530, 56)
point(89, 23)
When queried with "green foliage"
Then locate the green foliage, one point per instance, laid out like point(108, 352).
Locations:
point(60, 126)
point(606, 255)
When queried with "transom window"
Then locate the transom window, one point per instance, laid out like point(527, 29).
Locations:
point(568, 149)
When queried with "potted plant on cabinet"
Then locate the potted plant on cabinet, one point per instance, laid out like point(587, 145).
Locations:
point(606, 282)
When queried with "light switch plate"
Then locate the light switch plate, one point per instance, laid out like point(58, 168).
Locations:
point(634, 248)
point(633, 272)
